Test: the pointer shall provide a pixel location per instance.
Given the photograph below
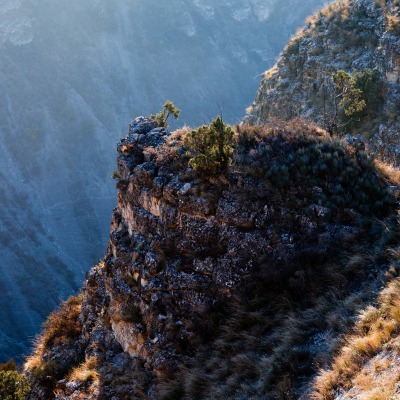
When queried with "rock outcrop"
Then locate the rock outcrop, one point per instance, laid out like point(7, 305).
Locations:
point(350, 35)
point(183, 248)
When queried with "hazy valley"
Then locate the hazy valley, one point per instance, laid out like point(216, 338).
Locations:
point(72, 75)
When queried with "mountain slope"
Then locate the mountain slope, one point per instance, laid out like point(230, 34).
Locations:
point(273, 276)
point(235, 281)
point(351, 35)
point(72, 74)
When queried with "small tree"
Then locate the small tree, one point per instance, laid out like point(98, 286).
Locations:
point(354, 96)
point(168, 110)
point(350, 97)
point(210, 147)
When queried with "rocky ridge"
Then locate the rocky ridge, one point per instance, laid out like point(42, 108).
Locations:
point(181, 250)
point(171, 258)
point(349, 35)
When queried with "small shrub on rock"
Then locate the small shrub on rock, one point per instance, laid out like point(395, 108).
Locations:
point(13, 385)
point(210, 147)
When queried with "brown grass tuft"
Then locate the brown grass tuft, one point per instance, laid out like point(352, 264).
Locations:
point(87, 371)
point(389, 172)
point(62, 326)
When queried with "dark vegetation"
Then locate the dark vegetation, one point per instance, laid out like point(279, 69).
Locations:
point(279, 329)
point(321, 170)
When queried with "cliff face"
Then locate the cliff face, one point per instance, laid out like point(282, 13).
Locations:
point(174, 254)
point(351, 35)
point(197, 265)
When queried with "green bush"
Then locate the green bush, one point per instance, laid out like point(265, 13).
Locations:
point(350, 96)
point(13, 385)
point(210, 147)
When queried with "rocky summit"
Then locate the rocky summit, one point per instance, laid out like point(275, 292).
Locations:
point(222, 281)
point(355, 36)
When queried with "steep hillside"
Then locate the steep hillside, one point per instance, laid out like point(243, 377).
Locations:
point(72, 73)
point(360, 37)
point(234, 267)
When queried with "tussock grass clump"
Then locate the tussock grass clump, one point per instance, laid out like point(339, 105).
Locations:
point(63, 324)
point(87, 375)
point(87, 371)
point(170, 156)
point(61, 330)
point(392, 174)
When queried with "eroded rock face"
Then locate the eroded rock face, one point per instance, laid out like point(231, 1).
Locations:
point(171, 254)
point(172, 257)
point(71, 75)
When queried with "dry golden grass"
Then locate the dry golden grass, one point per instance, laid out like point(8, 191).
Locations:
point(388, 171)
point(270, 72)
point(378, 379)
point(88, 376)
point(361, 363)
point(169, 155)
point(85, 372)
point(177, 137)
point(34, 361)
point(62, 325)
